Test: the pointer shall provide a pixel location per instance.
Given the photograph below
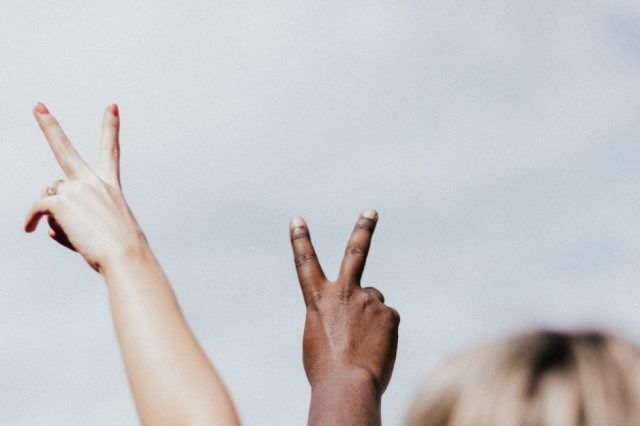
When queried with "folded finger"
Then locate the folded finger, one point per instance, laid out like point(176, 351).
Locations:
point(355, 255)
point(61, 240)
point(109, 162)
point(41, 208)
point(375, 293)
point(57, 233)
point(310, 273)
point(72, 164)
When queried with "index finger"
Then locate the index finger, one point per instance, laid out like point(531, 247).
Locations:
point(72, 164)
point(355, 255)
point(310, 273)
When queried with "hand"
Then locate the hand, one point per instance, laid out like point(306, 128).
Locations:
point(88, 213)
point(349, 332)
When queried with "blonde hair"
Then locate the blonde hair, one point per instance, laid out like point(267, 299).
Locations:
point(541, 378)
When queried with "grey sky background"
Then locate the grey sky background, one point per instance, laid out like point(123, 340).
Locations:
point(498, 140)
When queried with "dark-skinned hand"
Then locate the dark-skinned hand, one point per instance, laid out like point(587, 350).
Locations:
point(350, 335)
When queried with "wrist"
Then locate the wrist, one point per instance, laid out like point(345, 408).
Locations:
point(348, 396)
point(357, 376)
point(349, 382)
point(134, 253)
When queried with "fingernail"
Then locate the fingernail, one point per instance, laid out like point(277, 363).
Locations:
point(41, 108)
point(370, 214)
point(114, 110)
point(297, 222)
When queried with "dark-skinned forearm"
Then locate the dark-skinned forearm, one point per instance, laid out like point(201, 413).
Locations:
point(349, 399)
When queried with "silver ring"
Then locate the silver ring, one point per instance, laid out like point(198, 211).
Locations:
point(53, 188)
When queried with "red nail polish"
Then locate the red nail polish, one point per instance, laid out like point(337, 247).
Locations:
point(114, 110)
point(41, 109)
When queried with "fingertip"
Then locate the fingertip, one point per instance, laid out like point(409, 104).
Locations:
point(33, 217)
point(297, 222)
point(298, 230)
point(29, 225)
point(41, 109)
point(370, 214)
point(112, 115)
point(27, 222)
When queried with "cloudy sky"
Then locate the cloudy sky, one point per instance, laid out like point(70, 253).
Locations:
point(499, 141)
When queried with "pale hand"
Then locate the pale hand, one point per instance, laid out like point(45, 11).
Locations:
point(88, 213)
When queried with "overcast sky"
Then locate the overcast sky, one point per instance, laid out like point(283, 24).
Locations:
point(499, 141)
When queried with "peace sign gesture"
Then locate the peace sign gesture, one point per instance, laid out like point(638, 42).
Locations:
point(87, 213)
point(350, 335)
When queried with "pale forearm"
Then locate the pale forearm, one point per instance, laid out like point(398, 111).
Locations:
point(172, 380)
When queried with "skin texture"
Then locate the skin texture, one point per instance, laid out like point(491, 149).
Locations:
point(350, 335)
point(172, 381)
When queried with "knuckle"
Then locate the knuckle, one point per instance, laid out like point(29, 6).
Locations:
point(316, 294)
point(113, 190)
point(312, 298)
point(299, 233)
point(375, 293)
point(366, 224)
point(114, 150)
point(355, 250)
point(62, 143)
point(363, 298)
point(345, 294)
point(112, 121)
point(303, 259)
point(394, 315)
point(61, 188)
point(49, 123)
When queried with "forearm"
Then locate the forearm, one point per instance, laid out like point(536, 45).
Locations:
point(349, 399)
point(171, 379)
